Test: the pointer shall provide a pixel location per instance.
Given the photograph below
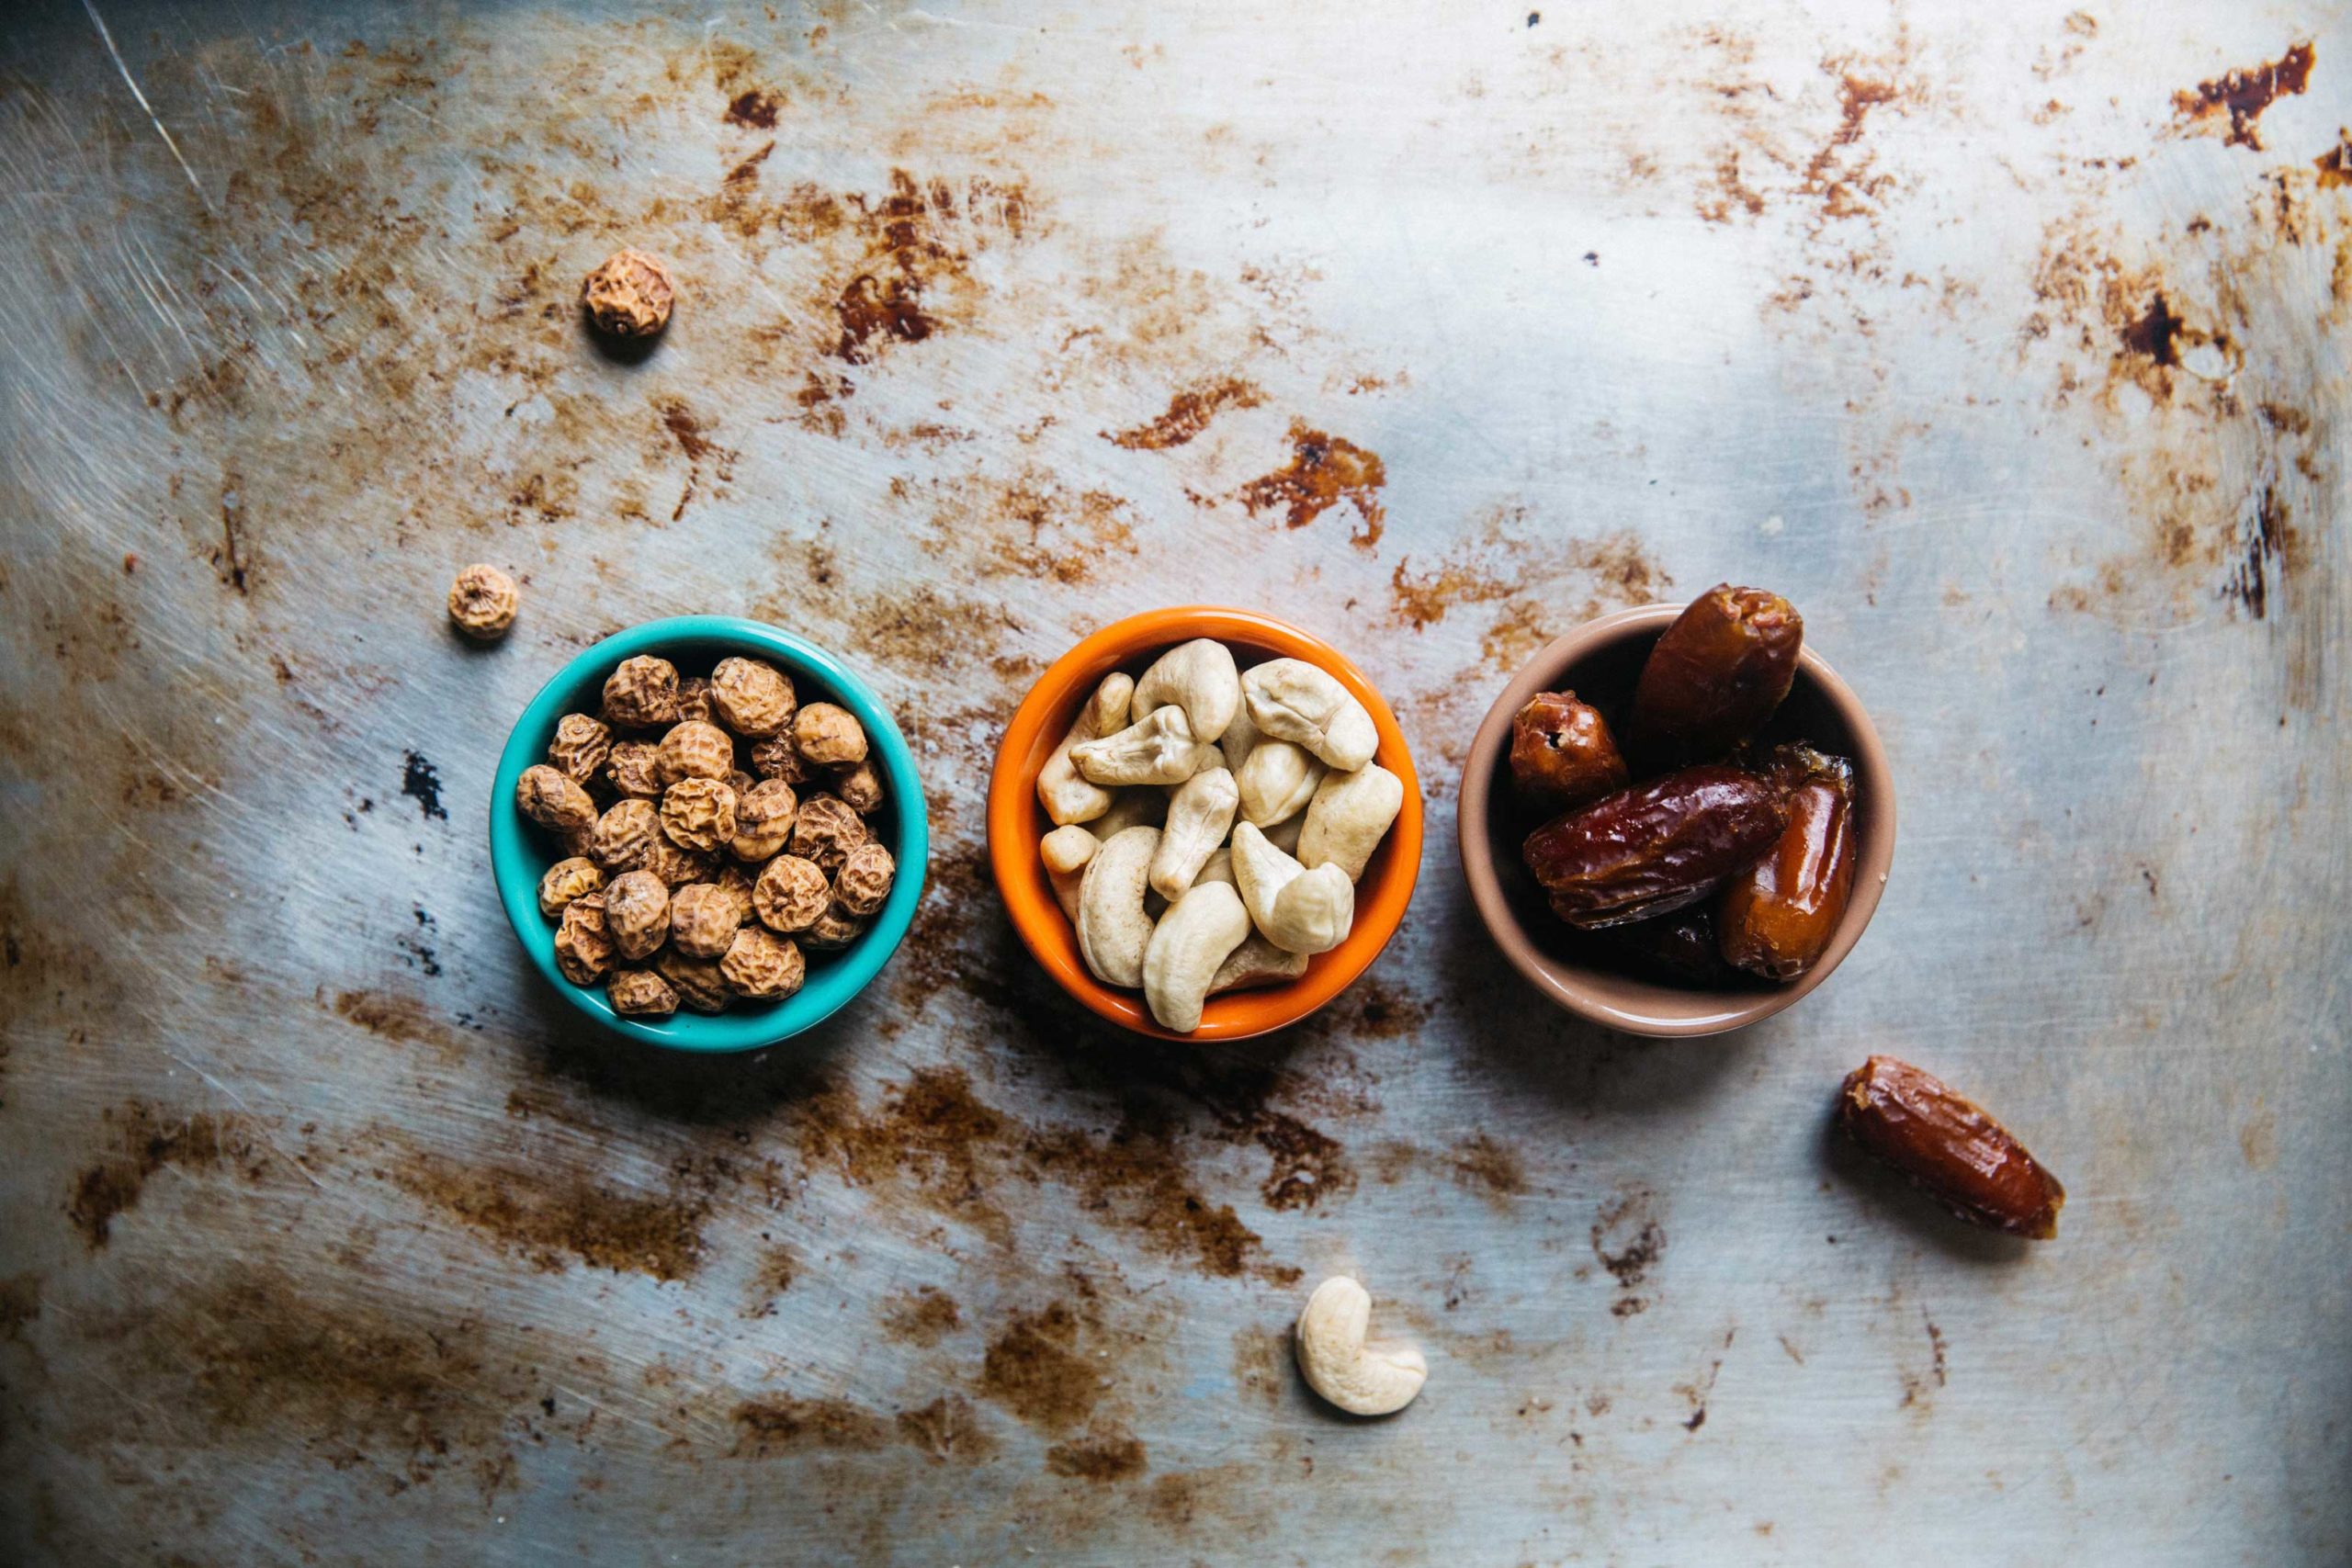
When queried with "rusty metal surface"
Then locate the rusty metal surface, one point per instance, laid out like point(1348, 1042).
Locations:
point(325, 1234)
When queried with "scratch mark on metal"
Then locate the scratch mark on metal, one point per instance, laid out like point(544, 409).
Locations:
point(152, 119)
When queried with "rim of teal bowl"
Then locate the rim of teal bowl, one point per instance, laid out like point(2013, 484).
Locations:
point(518, 858)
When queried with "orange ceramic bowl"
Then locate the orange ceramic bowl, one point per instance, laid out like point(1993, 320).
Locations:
point(1016, 822)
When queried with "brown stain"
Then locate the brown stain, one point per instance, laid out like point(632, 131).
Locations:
point(1482, 1164)
point(1034, 1369)
point(754, 108)
point(779, 1424)
point(2233, 102)
point(771, 1280)
point(691, 433)
point(1919, 1386)
point(146, 1139)
point(1189, 412)
point(2269, 547)
point(1105, 1452)
point(1225, 1502)
point(549, 1216)
point(19, 1305)
point(2258, 1140)
point(1309, 1166)
point(402, 1019)
point(1729, 192)
point(922, 1316)
point(2333, 168)
point(1025, 524)
point(1628, 1240)
point(1323, 471)
point(946, 1430)
point(1261, 1364)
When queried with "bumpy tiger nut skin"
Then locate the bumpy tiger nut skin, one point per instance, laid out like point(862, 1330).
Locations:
point(641, 692)
point(777, 758)
point(1776, 918)
point(752, 697)
point(694, 698)
point(833, 929)
point(860, 787)
point(825, 831)
point(634, 769)
point(1654, 848)
point(763, 966)
point(625, 835)
point(735, 881)
point(676, 866)
point(1562, 753)
point(697, 980)
point(553, 799)
point(1950, 1149)
point(694, 750)
point(791, 894)
point(482, 601)
point(704, 918)
point(637, 913)
point(863, 880)
point(630, 295)
point(582, 745)
point(1715, 676)
point(583, 948)
point(639, 993)
point(763, 816)
point(698, 814)
point(565, 880)
point(828, 735)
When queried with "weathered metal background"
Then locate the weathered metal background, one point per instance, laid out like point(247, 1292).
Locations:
point(326, 1235)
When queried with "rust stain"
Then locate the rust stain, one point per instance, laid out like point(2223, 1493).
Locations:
point(1035, 1370)
point(1189, 412)
point(2239, 96)
point(1261, 1364)
point(771, 1279)
point(2267, 552)
point(1483, 1165)
point(781, 1425)
point(947, 1429)
point(1104, 1453)
point(400, 1019)
point(2335, 165)
point(547, 1216)
point(755, 107)
point(146, 1140)
point(1323, 471)
point(1628, 1240)
point(922, 1316)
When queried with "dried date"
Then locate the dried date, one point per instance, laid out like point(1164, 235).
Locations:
point(1680, 949)
point(1950, 1149)
point(1715, 675)
point(1654, 848)
point(1777, 916)
point(1562, 753)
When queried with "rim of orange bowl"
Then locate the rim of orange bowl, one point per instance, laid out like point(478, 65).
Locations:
point(1016, 821)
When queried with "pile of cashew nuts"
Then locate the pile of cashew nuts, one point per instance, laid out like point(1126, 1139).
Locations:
point(1210, 823)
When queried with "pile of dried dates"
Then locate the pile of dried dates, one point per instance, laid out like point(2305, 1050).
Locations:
point(1727, 860)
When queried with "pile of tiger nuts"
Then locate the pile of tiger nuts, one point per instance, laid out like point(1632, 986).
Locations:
point(696, 871)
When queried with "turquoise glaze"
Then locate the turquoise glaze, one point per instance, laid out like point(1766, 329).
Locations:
point(520, 855)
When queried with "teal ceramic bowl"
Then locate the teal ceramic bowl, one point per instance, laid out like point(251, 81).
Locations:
point(520, 855)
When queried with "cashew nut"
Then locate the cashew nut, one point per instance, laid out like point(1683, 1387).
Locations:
point(1066, 850)
point(1277, 782)
point(1348, 817)
point(1065, 796)
point(1255, 962)
point(1218, 867)
point(1298, 910)
point(1293, 700)
point(1155, 750)
point(1283, 835)
point(1240, 738)
point(1188, 946)
point(1112, 929)
point(1361, 1379)
point(1197, 676)
point(1199, 816)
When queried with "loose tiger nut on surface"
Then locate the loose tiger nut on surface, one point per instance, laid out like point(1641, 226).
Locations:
point(582, 746)
point(637, 913)
point(763, 816)
point(752, 697)
point(566, 880)
point(762, 966)
point(791, 894)
point(704, 918)
point(865, 878)
point(696, 750)
point(641, 692)
point(639, 993)
point(825, 831)
point(827, 734)
point(482, 601)
point(776, 758)
point(698, 814)
point(583, 948)
point(698, 981)
point(630, 295)
point(634, 769)
point(553, 799)
point(625, 835)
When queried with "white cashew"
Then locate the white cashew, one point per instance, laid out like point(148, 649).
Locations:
point(1199, 816)
point(1298, 910)
point(1155, 750)
point(1218, 867)
point(1285, 834)
point(1240, 739)
point(1112, 929)
point(1066, 850)
point(1361, 1379)
point(1187, 947)
point(1293, 700)
point(1065, 796)
point(1197, 676)
point(1348, 817)
point(1277, 782)
point(1255, 962)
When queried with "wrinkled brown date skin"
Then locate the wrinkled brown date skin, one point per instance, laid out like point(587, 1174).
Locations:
point(1950, 1149)
point(1715, 676)
point(1776, 917)
point(1562, 753)
point(1654, 848)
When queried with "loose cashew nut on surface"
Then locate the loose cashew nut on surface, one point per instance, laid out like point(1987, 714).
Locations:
point(1360, 1377)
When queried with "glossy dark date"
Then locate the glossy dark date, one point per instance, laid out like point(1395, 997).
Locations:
point(1562, 753)
point(1950, 1149)
point(1677, 948)
point(1715, 676)
point(1776, 917)
point(1654, 848)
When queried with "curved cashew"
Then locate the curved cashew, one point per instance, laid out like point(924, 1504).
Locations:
point(1293, 700)
point(1277, 782)
point(1188, 946)
point(1199, 815)
point(1112, 929)
point(1155, 750)
point(1348, 817)
point(1065, 796)
point(1298, 910)
point(1255, 962)
point(1361, 1379)
point(1197, 676)
point(1066, 850)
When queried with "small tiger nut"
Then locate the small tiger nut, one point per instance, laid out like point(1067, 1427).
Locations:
point(836, 928)
point(762, 965)
point(567, 880)
point(630, 295)
point(580, 746)
point(825, 831)
point(698, 813)
point(553, 799)
point(640, 993)
point(697, 980)
point(736, 883)
point(635, 769)
point(641, 692)
point(676, 866)
point(775, 758)
point(704, 918)
point(482, 601)
point(827, 734)
point(578, 843)
point(790, 894)
point(636, 912)
point(740, 782)
point(752, 697)
point(625, 835)
point(860, 787)
point(865, 878)
point(764, 814)
point(583, 948)
point(694, 698)
point(696, 750)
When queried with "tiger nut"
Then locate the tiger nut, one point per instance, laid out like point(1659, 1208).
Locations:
point(639, 993)
point(752, 697)
point(836, 928)
point(636, 912)
point(696, 750)
point(775, 758)
point(630, 295)
point(697, 980)
point(825, 831)
point(580, 746)
point(634, 768)
point(566, 880)
point(583, 948)
point(553, 799)
point(698, 813)
point(482, 601)
point(625, 835)
point(677, 866)
point(860, 787)
point(762, 965)
point(827, 734)
point(694, 698)
point(641, 692)
point(863, 880)
point(704, 918)
point(764, 814)
point(735, 882)
point(790, 894)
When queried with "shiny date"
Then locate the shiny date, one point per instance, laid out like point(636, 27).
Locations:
point(1715, 675)
point(1777, 916)
point(1654, 848)
point(1562, 753)
point(1950, 1149)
